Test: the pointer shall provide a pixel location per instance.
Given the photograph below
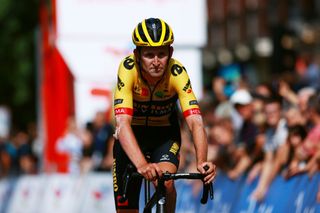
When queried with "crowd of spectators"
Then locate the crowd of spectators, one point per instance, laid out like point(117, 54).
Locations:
point(266, 129)
point(258, 130)
point(88, 149)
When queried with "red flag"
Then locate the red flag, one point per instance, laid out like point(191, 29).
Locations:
point(56, 85)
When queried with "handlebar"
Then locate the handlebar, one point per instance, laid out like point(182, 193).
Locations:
point(207, 188)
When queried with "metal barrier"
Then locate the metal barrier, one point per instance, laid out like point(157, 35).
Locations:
point(94, 193)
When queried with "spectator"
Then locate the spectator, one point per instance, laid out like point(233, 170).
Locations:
point(9, 159)
point(5, 161)
point(275, 138)
point(26, 158)
point(102, 142)
point(221, 145)
point(247, 133)
point(86, 163)
point(310, 149)
point(294, 116)
point(290, 159)
point(304, 95)
point(71, 144)
point(308, 70)
point(299, 99)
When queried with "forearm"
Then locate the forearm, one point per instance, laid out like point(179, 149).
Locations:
point(291, 97)
point(199, 137)
point(281, 158)
point(129, 143)
point(242, 165)
point(265, 179)
point(315, 159)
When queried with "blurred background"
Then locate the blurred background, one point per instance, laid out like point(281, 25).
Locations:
point(58, 70)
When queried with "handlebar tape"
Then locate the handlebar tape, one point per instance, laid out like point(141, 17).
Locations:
point(207, 189)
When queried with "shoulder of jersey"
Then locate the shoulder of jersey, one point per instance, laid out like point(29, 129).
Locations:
point(175, 67)
point(128, 62)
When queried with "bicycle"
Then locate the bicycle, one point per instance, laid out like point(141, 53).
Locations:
point(159, 196)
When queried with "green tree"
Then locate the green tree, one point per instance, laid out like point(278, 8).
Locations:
point(18, 23)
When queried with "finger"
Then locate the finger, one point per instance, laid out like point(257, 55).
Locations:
point(154, 173)
point(211, 170)
point(158, 170)
point(201, 168)
point(209, 178)
point(149, 175)
point(212, 174)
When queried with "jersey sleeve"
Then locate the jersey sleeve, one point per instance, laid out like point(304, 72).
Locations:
point(182, 84)
point(123, 100)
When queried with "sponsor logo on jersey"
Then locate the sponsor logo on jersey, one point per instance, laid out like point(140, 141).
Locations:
point(120, 83)
point(114, 175)
point(119, 203)
point(145, 108)
point(160, 94)
point(123, 110)
point(193, 111)
point(144, 91)
point(193, 102)
point(128, 63)
point(165, 157)
point(141, 91)
point(187, 88)
point(177, 69)
point(174, 148)
point(137, 90)
point(118, 101)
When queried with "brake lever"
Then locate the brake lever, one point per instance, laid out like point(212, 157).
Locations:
point(211, 191)
point(207, 189)
point(205, 193)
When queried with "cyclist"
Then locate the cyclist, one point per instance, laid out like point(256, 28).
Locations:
point(149, 84)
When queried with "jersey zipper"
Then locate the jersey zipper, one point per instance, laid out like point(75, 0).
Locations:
point(151, 98)
point(151, 92)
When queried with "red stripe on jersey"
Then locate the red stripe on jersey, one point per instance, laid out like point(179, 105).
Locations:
point(123, 110)
point(194, 111)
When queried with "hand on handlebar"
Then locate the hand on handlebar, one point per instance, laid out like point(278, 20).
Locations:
point(150, 171)
point(209, 170)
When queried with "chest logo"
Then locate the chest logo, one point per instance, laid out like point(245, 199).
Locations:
point(141, 91)
point(159, 94)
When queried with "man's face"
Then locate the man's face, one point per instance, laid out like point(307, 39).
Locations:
point(273, 113)
point(246, 111)
point(154, 60)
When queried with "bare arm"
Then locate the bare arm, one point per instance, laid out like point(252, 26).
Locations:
point(241, 166)
point(314, 163)
point(280, 159)
point(287, 93)
point(218, 84)
point(130, 146)
point(196, 127)
point(264, 180)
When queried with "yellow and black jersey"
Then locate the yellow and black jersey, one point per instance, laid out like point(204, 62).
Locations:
point(153, 106)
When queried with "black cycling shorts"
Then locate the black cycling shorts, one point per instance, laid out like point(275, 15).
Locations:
point(166, 152)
